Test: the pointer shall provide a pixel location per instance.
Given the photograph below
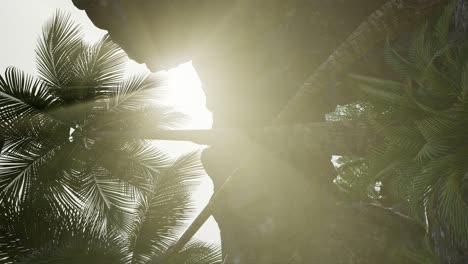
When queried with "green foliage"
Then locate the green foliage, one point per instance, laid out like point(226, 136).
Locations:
point(423, 121)
point(68, 196)
point(355, 181)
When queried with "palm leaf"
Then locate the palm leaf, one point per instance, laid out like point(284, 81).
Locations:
point(78, 248)
point(164, 213)
point(100, 66)
point(137, 162)
point(22, 100)
point(108, 202)
point(453, 207)
point(11, 246)
point(442, 27)
point(86, 199)
point(25, 88)
point(18, 171)
point(399, 64)
point(196, 252)
point(57, 50)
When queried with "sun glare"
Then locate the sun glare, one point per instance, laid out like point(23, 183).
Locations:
point(185, 94)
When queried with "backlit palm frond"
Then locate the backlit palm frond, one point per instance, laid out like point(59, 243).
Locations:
point(57, 50)
point(163, 117)
point(28, 140)
point(134, 90)
point(27, 89)
point(136, 104)
point(164, 213)
point(99, 67)
point(70, 197)
point(32, 177)
point(97, 70)
point(145, 119)
point(196, 252)
point(16, 118)
point(108, 202)
point(137, 162)
point(22, 101)
point(78, 248)
point(19, 170)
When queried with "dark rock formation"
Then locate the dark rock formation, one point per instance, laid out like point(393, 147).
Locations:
point(251, 57)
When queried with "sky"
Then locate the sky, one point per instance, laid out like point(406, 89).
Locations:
point(21, 23)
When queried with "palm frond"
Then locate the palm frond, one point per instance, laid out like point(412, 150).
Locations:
point(442, 27)
point(27, 89)
point(77, 249)
point(137, 162)
point(422, 119)
point(22, 100)
point(108, 202)
point(135, 105)
point(164, 213)
point(11, 246)
point(57, 50)
point(19, 170)
point(196, 252)
point(100, 66)
point(398, 64)
point(68, 197)
point(387, 96)
point(453, 207)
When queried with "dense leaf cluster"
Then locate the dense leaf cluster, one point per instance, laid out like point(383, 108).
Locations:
point(68, 196)
point(420, 166)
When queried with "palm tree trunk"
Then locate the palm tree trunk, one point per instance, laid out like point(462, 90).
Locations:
point(388, 19)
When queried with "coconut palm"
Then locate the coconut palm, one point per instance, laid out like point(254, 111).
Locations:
point(388, 19)
point(150, 231)
point(68, 196)
point(423, 120)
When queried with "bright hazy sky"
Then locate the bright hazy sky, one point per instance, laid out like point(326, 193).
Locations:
point(21, 25)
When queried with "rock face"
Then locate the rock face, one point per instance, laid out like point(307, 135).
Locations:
point(251, 57)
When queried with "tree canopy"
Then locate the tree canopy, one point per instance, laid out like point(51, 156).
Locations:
point(70, 197)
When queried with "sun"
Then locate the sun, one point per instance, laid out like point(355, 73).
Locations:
point(183, 92)
point(187, 95)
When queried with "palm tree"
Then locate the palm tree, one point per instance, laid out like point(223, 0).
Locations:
point(422, 118)
point(147, 234)
point(388, 19)
point(67, 196)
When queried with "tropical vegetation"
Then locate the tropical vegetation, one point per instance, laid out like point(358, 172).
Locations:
point(419, 167)
point(70, 196)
